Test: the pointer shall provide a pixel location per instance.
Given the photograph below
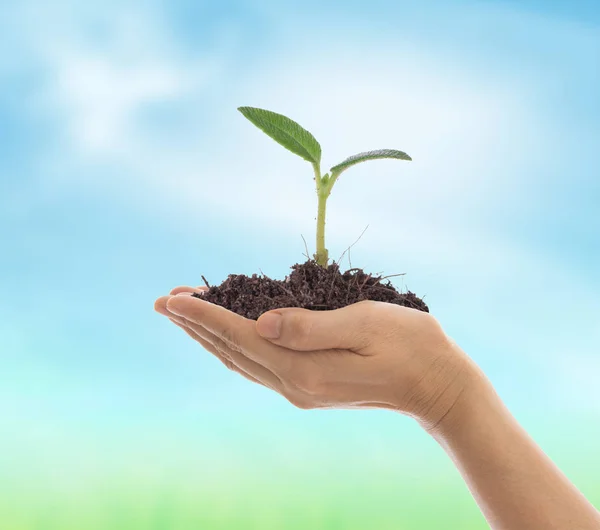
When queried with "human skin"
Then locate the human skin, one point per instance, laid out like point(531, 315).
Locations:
point(379, 355)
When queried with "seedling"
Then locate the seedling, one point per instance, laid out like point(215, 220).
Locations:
point(315, 284)
point(298, 140)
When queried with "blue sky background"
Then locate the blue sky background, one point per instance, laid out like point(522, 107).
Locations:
point(125, 170)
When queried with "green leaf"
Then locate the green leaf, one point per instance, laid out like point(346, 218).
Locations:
point(369, 155)
point(285, 132)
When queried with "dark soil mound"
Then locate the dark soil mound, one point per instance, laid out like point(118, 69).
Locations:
point(309, 286)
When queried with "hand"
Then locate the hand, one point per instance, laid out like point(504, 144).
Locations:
point(374, 354)
point(369, 354)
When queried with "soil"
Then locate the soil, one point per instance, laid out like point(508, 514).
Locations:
point(308, 286)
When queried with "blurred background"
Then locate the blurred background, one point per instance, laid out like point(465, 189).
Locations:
point(125, 170)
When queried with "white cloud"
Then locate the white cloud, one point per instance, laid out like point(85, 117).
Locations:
point(97, 88)
point(103, 98)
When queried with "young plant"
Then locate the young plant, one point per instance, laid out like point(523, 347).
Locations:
point(298, 140)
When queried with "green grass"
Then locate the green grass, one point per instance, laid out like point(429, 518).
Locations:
point(362, 475)
point(371, 502)
point(239, 504)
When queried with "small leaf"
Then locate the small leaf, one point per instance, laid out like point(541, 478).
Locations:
point(369, 155)
point(285, 132)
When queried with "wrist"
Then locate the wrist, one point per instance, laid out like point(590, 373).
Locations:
point(472, 395)
point(454, 387)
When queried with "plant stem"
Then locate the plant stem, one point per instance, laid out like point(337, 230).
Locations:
point(323, 191)
point(317, 170)
point(322, 255)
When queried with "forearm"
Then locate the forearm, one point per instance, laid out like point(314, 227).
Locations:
point(514, 483)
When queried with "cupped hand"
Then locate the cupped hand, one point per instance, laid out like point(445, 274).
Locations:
point(369, 354)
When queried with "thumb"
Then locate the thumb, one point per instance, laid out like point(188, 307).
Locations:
point(307, 330)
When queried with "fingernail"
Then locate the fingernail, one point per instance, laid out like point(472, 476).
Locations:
point(184, 294)
point(269, 325)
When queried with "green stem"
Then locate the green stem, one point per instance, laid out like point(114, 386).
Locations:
point(322, 255)
point(334, 176)
point(323, 190)
point(317, 170)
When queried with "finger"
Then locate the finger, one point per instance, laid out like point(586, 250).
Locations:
point(160, 305)
point(306, 330)
point(211, 349)
point(187, 289)
point(236, 357)
point(227, 348)
point(237, 332)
